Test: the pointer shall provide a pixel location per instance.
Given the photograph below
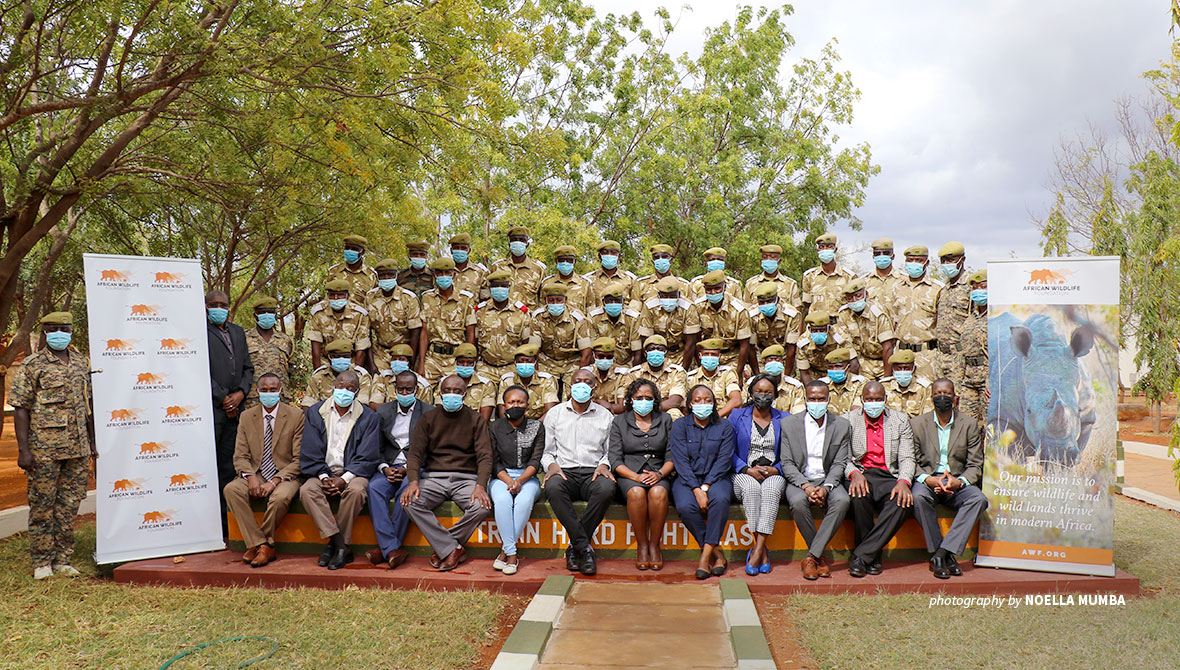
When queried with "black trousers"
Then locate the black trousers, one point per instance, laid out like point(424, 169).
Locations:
point(872, 537)
point(577, 486)
point(225, 436)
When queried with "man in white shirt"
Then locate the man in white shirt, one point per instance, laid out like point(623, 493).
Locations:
point(577, 467)
point(814, 455)
point(338, 455)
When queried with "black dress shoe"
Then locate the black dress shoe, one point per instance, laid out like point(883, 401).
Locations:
point(341, 558)
point(589, 565)
point(719, 570)
point(875, 568)
point(702, 574)
point(573, 562)
point(326, 556)
point(952, 566)
point(857, 567)
point(938, 567)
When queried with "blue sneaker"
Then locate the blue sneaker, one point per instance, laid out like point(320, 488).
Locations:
point(750, 569)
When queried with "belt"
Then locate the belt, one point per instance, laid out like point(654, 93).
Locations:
point(975, 360)
point(444, 349)
point(931, 345)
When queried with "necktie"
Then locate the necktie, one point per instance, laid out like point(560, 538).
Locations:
point(268, 469)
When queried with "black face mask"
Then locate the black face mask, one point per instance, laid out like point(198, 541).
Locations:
point(515, 413)
point(763, 400)
point(943, 403)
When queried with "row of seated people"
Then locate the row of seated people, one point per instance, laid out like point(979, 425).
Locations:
point(408, 457)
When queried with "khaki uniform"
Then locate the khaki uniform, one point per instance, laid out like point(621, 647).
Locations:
point(623, 330)
point(730, 321)
point(323, 381)
point(542, 389)
point(782, 329)
point(526, 279)
point(645, 288)
point(954, 302)
point(865, 333)
point(57, 396)
point(670, 379)
point(478, 387)
point(391, 318)
point(883, 290)
point(821, 290)
point(350, 323)
point(843, 397)
point(788, 290)
point(473, 279)
point(599, 280)
point(383, 389)
point(790, 396)
point(723, 382)
point(362, 281)
point(499, 331)
point(973, 349)
point(673, 326)
point(276, 356)
point(913, 400)
point(562, 339)
point(811, 358)
point(917, 305)
point(445, 321)
point(415, 281)
point(733, 287)
point(614, 387)
point(577, 292)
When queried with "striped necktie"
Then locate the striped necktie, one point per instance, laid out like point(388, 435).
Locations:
point(268, 469)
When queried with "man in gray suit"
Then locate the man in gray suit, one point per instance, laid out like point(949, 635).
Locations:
point(814, 454)
point(949, 453)
point(879, 472)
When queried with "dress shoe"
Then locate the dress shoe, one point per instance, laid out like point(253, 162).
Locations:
point(822, 568)
point(658, 563)
point(250, 554)
point(589, 564)
point(751, 570)
point(701, 574)
point(938, 567)
point(435, 561)
point(266, 554)
point(952, 566)
point(326, 556)
point(857, 567)
point(340, 558)
point(875, 568)
point(397, 557)
point(719, 570)
point(375, 556)
point(572, 560)
point(453, 560)
point(765, 567)
point(810, 569)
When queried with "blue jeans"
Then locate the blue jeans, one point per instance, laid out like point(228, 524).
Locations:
point(512, 512)
point(390, 528)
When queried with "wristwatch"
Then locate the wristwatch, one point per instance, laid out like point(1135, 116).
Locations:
point(705, 488)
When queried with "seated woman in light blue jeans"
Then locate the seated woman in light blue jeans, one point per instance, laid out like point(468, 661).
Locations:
point(517, 443)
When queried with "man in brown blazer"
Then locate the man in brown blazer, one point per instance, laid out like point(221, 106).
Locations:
point(266, 458)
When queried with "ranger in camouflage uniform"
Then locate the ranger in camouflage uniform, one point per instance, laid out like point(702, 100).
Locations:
point(790, 395)
point(917, 305)
point(417, 278)
point(715, 260)
point(337, 318)
point(563, 335)
point(721, 379)
point(717, 314)
point(667, 314)
point(973, 397)
point(615, 319)
point(395, 316)
point(913, 397)
point(501, 325)
point(647, 287)
point(542, 387)
point(787, 288)
point(448, 320)
point(271, 351)
point(609, 390)
point(882, 281)
point(55, 439)
point(360, 277)
point(527, 273)
point(479, 383)
point(954, 302)
point(670, 378)
point(868, 329)
point(340, 358)
point(844, 387)
point(469, 276)
point(820, 339)
point(609, 273)
point(773, 321)
point(822, 287)
point(384, 385)
point(577, 287)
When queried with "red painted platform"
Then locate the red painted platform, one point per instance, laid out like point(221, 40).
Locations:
point(224, 569)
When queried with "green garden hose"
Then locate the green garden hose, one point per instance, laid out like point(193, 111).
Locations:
point(274, 646)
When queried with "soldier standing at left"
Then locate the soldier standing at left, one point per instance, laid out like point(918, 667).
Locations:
point(448, 320)
point(469, 275)
point(271, 351)
point(527, 272)
point(954, 302)
point(416, 278)
point(974, 397)
point(55, 439)
point(395, 317)
point(353, 270)
point(823, 285)
point(338, 317)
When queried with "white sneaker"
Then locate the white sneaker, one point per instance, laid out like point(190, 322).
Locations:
point(497, 564)
point(43, 572)
point(66, 569)
point(510, 568)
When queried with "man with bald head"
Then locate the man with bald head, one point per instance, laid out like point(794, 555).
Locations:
point(231, 375)
point(879, 472)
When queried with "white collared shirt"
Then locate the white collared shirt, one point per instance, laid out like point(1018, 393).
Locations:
point(400, 432)
point(575, 440)
point(815, 433)
point(339, 428)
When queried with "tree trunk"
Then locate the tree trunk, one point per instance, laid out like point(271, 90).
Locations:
point(1157, 410)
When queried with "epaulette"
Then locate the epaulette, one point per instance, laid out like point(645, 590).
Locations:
point(507, 376)
point(696, 279)
point(812, 270)
point(360, 371)
point(360, 308)
point(478, 266)
point(620, 370)
point(724, 368)
point(317, 308)
point(922, 381)
point(630, 312)
point(465, 292)
point(876, 310)
point(542, 374)
point(596, 311)
point(836, 336)
point(646, 277)
point(652, 302)
point(320, 369)
point(673, 366)
point(386, 373)
point(577, 315)
point(857, 378)
point(792, 381)
point(739, 304)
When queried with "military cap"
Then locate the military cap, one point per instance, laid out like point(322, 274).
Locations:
point(977, 277)
point(714, 277)
point(385, 264)
point(518, 230)
point(818, 318)
point(357, 240)
point(841, 355)
point(57, 319)
point(773, 350)
point(553, 288)
point(609, 245)
point(854, 286)
point(770, 249)
point(565, 250)
point(901, 356)
point(668, 285)
point(466, 350)
point(530, 350)
point(401, 350)
point(766, 290)
point(715, 251)
point(604, 344)
point(826, 238)
point(461, 238)
point(883, 243)
point(654, 339)
point(712, 344)
point(615, 290)
point(500, 276)
point(338, 285)
point(917, 250)
point(660, 248)
point(338, 346)
point(417, 245)
point(444, 263)
point(952, 249)
point(264, 302)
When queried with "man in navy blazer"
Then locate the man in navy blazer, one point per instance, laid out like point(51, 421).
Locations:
point(231, 375)
point(398, 419)
point(338, 455)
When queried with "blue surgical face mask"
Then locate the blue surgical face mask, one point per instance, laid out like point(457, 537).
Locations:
point(903, 377)
point(218, 315)
point(715, 264)
point(406, 400)
point(612, 309)
point(643, 407)
point(702, 411)
point(451, 402)
point(819, 339)
point(417, 262)
point(817, 409)
point(609, 261)
point(662, 265)
point(340, 363)
point(774, 368)
point(769, 266)
point(715, 298)
point(387, 285)
point(655, 358)
point(351, 256)
point(517, 248)
point(838, 376)
point(874, 408)
point(399, 366)
point(526, 369)
point(58, 340)
point(882, 261)
point(979, 296)
point(950, 270)
point(565, 268)
point(768, 308)
point(444, 282)
point(338, 304)
point(710, 363)
point(604, 364)
point(500, 293)
point(555, 308)
point(268, 398)
point(580, 392)
point(465, 371)
point(459, 255)
point(669, 304)
point(915, 270)
point(265, 320)
point(343, 397)
point(858, 306)
point(826, 255)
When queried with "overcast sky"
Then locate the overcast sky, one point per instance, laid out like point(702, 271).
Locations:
point(962, 103)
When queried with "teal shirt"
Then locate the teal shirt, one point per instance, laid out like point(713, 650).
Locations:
point(944, 437)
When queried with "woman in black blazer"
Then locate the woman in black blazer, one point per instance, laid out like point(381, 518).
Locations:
point(638, 452)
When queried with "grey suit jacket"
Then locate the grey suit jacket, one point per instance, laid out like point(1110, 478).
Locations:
point(964, 449)
point(837, 441)
point(899, 443)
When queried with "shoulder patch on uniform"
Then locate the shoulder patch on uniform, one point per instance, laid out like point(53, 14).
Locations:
point(673, 366)
point(480, 305)
point(518, 304)
point(857, 378)
point(423, 383)
point(507, 376)
point(836, 336)
point(681, 302)
point(621, 370)
point(876, 310)
point(696, 278)
point(700, 299)
point(387, 373)
point(628, 274)
point(789, 310)
point(724, 368)
point(646, 277)
point(408, 292)
point(738, 304)
point(811, 271)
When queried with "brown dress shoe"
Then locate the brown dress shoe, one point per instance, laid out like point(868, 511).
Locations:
point(375, 556)
point(397, 557)
point(822, 567)
point(251, 553)
point(266, 554)
point(810, 569)
point(454, 559)
point(435, 561)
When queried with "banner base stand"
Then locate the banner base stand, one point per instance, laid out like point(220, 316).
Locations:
point(1045, 566)
point(158, 552)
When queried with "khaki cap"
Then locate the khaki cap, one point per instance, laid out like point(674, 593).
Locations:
point(818, 318)
point(357, 240)
point(712, 344)
point(461, 238)
point(917, 250)
point(518, 230)
point(854, 286)
point(338, 285)
point(57, 319)
point(385, 264)
point(417, 245)
point(609, 245)
point(565, 250)
point(715, 251)
point(841, 355)
point(766, 290)
point(500, 276)
point(530, 350)
point(826, 238)
point(770, 249)
point(604, 344)
point(445, 263)
point(401, 350)
point(773, 350)
point(615, 290)
point(668, 285)
point(338, 346)
point(466, 350)
point(952, 249)
point(901, 356)
point(883, 243)
point(265, 302)
point(660, 248)
point(553, 288)
point(654, 339)
point(977, 277)
point(714, 277)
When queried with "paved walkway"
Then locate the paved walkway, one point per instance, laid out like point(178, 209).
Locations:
point(1148, 475)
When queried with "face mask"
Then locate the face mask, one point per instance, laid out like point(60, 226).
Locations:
point(669, 304)
point(943, 403)
point(218, 315)
point(914, 270)
point(875, 408)
point(499, 293)
point(819, 339)
point(58, 340)
point(763, 400)
point(710, 363)
point(526, 369)
point(459, 256)
point(556, 308)
point(858, 306)
point(882, 261)
point(515, 413)
point(826, 255)
point(580, 392)
point(268, 398)
point(655, 358)
point(643, 407)
point(343, 397)
point(774, 368)
point(604, 364)
point(565, 269)
point(903, 377)
point(517, 248)
point(817, 409)
point(612, 309)
point(406, 400)
point(837, 376)
point(715, 298)
point(609, 261)
point(351, 256)
point(714, 265)
point(338, 304)
point(417, 262)
point(452, 401)
point(979, 296)
point(399, 367)
point(951, 270)
point(769, 266)
point(444, 282)
point(702, 411)
point(387, 285)
point(768, 308)
point(662, 265)
point(465, 371)
point(265, 321)
point(341, 364)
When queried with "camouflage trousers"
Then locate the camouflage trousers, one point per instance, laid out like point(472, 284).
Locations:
point(972, 398)
point(949, 364)
point(562, 371)
point(56, 489)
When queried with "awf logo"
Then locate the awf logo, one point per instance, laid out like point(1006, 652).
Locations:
point(180, 415)
point(1050, 281)
point(176, 347)
point(186, 483)
point(128, 488)
point(155, 451)
point(126, 418)
point(145, 314)
point(151, 382)
point(160, 520)
point(122, 348)
point(171, 280)
point(116, 279)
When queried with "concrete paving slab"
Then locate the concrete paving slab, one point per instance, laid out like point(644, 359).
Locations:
point(646, 594)
point(656, 619)
point(593, 648)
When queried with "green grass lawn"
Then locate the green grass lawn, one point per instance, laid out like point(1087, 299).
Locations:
point(903, 632)
point(91, 622)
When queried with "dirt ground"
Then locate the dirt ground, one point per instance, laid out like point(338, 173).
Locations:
point(1135, 421)
point(781, 634)
point(13, 491)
